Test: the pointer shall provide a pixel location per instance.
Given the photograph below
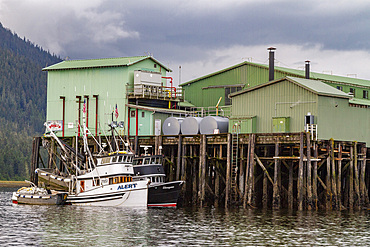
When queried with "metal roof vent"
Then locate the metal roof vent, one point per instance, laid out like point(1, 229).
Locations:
point(271, 63)
point(307, 69)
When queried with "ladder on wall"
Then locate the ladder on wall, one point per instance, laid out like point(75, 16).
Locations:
point(234, 161)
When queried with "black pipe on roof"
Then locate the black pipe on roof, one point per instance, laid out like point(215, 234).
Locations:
point(307, 69)
point(271, 63)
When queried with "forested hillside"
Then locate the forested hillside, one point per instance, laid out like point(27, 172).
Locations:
point(22, 102)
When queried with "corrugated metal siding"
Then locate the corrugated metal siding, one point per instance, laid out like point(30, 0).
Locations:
point(262, 103)
point(108, 83)
point(339, 121)
point(246, 74)
point(253, 75)
point(198, 94)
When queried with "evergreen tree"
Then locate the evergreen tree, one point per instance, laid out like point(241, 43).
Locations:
point(22, 101)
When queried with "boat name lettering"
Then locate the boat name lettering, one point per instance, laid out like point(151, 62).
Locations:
point(168, 188)
point(126, 186)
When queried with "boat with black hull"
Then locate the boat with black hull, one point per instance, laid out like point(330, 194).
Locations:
point(160, 193)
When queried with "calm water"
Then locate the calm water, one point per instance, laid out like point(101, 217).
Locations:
point(97, 226)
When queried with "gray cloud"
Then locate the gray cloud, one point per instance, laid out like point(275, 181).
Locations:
point(185, 32)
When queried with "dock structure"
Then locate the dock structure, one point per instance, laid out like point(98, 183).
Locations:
point(273, 170)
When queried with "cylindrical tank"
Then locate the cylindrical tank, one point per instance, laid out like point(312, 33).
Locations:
point(191, 126)
point(172, 126)
point(210, 123)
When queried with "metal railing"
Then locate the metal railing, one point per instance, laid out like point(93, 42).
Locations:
point(154, 92)
point(222, 111)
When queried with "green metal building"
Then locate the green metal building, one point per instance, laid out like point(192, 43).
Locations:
point(285, 104)
point(104, 88)
point(206, 91)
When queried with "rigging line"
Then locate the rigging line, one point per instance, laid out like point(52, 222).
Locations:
point(106, 138)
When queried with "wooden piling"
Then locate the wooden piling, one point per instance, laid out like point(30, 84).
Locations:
point(251, 173)
point(217, 177)
point(362, 180)
point(276, 188)
point(195, 176)
point(300, 173)
point(309, 172)
point(328, 181)
point(350, 194)
point(179, 148)
point(247, 169)
point(356, 182)
point(35, 158)
point(228, 171)
point(339, 176)
point(202, 168)
point(335, 204)
point(314, 178)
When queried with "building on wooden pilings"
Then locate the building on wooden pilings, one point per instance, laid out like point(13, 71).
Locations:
point(269, 159)
point(268, 171)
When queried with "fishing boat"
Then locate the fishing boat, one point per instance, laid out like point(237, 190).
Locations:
point(161, 193)
point(103, 179)
point(34, 195)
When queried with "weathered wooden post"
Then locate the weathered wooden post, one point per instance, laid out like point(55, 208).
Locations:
point(309, 172)
point(217, 177)
point(178, 163)
point(195, 173)
point(276, 188)
point(328, 180)
point(350, 203)
point(228, 170)
point(251, 173)
point(335, 203)
point(314, 182)
point(202, 168)
point(363, 172)
point(172, 166)
point(339, 183)
point(247, 169)
point(183, 162)
point(300, 173)
point(357, 187)
point(241, 170)
point(35, 159)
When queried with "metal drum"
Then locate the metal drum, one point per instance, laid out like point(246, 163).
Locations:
point(172, 126)
point(214, 125)
point(191, 126)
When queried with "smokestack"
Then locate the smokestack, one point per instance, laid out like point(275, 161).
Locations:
point(307, 69)
point(271, 63)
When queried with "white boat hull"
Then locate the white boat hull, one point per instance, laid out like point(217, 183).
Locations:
point(132, 194)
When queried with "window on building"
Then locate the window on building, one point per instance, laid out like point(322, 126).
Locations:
point(142, 114)
point(229, 90)
point(365, 94)
point(132, 114)
point(352, 91)
point(155, 65)
point(340, 88)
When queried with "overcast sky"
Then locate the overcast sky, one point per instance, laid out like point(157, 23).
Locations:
point(202, 36)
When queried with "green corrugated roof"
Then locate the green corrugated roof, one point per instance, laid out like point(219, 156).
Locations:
point(296, 72)
point(319, 87)
point(358, 101)
point(186, 104)
point(98, 63)
point(315, 86)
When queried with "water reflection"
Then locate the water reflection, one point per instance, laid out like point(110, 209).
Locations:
point(99, 226)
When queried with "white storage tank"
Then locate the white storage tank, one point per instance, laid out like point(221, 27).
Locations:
point(214, 125)
point(191, 126)
point(172, 126)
